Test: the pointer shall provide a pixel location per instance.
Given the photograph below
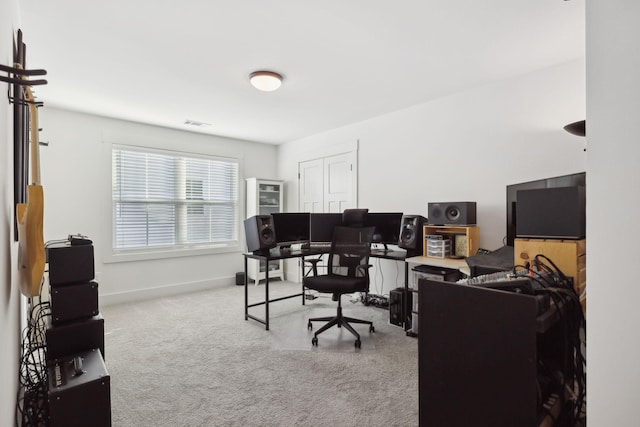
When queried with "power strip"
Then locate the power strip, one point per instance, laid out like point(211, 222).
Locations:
point(376, 300)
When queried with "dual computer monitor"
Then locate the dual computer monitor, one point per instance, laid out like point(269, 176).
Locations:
point(303, 227)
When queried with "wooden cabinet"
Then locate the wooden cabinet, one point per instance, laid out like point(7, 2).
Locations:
point(465, 240)
point(264, 197)
point(479, 346)
point(570, 256)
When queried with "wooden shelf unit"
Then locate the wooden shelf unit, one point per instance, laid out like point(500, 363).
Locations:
point(569, 255)
point(470, 232)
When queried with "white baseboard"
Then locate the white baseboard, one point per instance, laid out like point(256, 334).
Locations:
point(163, 291)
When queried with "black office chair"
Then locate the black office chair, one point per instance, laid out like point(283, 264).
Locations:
point(347, 272)
point(354, 217)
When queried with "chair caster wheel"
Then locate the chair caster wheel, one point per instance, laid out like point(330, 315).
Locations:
point(358, 343)
point(309, 325)
point(372, 329)
point(314, 341)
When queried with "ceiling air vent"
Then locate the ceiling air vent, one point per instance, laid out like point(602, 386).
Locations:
point(196, 123)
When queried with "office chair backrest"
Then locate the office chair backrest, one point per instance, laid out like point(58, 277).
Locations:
point(354, 217)
point(350, 249)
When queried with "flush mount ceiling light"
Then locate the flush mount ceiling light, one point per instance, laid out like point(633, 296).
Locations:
point(267, 81)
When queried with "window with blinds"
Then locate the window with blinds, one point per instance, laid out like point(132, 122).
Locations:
point(167, 200)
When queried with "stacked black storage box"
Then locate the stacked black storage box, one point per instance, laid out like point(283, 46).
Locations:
point(79, 384)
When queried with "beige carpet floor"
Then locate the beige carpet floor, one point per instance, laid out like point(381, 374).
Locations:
point(192, 360)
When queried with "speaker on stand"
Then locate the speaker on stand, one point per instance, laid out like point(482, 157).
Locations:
point(452, 213)
point(260, 233)
point(411, 234)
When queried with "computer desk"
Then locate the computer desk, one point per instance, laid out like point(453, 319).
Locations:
point(265, 257)
point(274, 255)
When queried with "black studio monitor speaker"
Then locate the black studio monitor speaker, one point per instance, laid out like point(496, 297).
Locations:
point(260, 233)
point(452, 213)
point(411, 234)
point(551, 213)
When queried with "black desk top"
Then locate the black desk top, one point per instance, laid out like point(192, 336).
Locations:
point(394, 254)
point(278, 253)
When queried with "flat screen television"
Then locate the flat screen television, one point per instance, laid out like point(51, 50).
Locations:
point(321, 226)
point(291, 228)
point(387, 227)
point(572, 180)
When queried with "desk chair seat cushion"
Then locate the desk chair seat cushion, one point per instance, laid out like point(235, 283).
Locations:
point(336, 284)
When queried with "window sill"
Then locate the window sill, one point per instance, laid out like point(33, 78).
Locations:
point(147, 254)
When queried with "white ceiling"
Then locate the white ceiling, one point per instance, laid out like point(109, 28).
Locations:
point(163, 62)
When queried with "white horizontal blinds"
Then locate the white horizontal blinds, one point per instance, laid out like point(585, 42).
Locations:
point(173, 199)
point(212, 195)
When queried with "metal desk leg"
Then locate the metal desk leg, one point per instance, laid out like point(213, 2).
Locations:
point(405, 315)
point(302, 269)
point(266, 294)
point(246, 291)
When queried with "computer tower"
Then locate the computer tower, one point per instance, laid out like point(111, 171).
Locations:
point(395, 307)
point(400, 307)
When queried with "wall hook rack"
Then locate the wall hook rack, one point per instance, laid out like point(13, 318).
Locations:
point(19, 74)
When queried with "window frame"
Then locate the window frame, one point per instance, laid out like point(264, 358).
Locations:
point(178, 250)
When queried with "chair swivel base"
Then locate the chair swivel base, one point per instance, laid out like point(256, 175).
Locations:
point(340, 321)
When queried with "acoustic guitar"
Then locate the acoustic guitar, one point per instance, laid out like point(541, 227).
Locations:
point(30, 215)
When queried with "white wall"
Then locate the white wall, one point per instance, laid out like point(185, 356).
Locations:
point(76, 178)
point(416, 148)
point(9, 294)
point(465, 147)
point(613, 203)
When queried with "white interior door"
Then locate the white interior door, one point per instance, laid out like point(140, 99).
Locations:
point(311, 186)
point(328, 184)
point(339, 187)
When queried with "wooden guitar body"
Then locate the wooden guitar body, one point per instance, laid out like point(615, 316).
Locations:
point(31, 253)
point(30, 216)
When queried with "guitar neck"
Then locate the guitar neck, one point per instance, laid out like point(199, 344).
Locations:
point(34, 143)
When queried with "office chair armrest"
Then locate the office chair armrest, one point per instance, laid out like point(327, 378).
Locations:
point(365, 267)
point(314, 264)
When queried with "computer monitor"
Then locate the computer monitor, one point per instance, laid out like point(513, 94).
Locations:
point(291, 228)
point(576, 179)
point(387, 227)
point(321, 226)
